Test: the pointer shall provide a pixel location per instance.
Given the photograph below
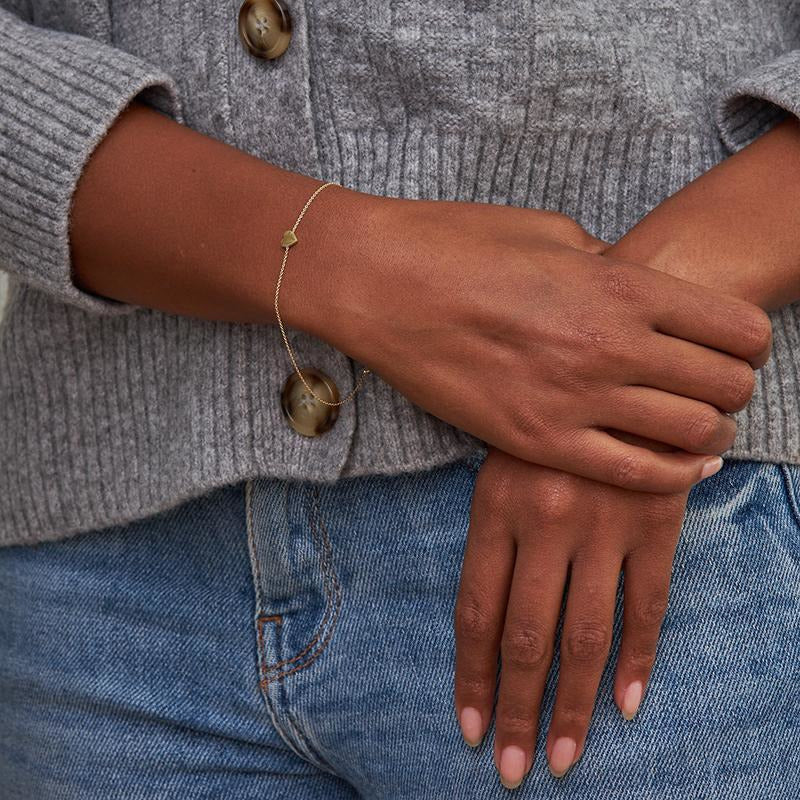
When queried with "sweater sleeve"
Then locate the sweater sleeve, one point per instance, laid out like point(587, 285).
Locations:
point(755, 101)
point(59, 95)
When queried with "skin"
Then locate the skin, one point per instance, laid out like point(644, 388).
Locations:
point(736, 226)
point(421, 291)
point(571, 341)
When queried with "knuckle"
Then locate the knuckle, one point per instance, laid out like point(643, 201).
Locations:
point(529, 427)
point(517, 718)
point(558, 498)
point(472, 686)
point(756, 331)
point(620, 283)
point(573, 718)
point(640, 661)
point(587, 642)
point(704, 430)
point(472, 622)
point(587, 334)
point(526, 647)
point(628, 472)
point(741, 383)
point(648, 611)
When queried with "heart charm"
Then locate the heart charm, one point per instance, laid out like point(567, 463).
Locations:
point(288, 239)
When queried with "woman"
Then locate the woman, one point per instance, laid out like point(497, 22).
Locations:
point(203, 600)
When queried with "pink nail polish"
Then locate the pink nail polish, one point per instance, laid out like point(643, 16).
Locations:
point(562, 756)
point(631, 699)
point(513, 765)
point(710, 468)
point(471, 726)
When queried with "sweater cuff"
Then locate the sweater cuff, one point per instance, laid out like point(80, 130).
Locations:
point(60, 95)
point(756, 101)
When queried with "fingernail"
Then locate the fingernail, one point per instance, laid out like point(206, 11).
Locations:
point(631, 700)
point(471, 726)
point(512, 766)
point(711, 467)
point(562, 756)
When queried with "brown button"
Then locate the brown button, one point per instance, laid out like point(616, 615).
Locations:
point(302, 410)
point(265, 27)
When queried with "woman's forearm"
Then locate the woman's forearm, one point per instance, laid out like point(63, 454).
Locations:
point(736, 228)
point(168, 218)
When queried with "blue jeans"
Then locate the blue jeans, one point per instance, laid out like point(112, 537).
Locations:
point(277, 639)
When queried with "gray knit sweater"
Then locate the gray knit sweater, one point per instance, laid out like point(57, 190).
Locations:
point(596, 108)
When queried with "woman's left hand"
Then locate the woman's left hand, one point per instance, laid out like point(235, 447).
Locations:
point(530, 528)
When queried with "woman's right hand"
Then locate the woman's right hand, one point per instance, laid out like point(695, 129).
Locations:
point(508, 323)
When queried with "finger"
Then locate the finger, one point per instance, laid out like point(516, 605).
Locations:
point(564, 229)
point(599, 456)
point(585, 642)
point(647, 577)
point(669, 418)
point(526, 655)
point(481, 606)
point(688, 369)
point(595, 245)
point(721, 321)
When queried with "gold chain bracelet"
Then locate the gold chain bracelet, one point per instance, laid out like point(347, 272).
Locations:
point(289, 239)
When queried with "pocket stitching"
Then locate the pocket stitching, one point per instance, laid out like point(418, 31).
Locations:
point(333, 596)
point(791, 493)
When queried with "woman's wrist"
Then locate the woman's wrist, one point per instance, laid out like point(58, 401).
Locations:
point(685, 241)
point(736, 228)
point(326, 288)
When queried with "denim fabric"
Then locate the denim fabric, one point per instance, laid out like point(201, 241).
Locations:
point(285, 639)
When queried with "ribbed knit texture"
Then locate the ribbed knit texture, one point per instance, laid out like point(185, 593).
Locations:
point(600, 110)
